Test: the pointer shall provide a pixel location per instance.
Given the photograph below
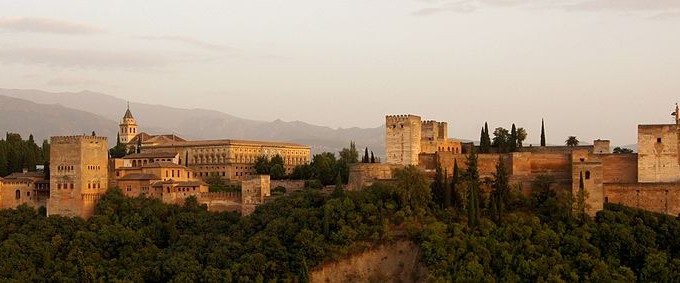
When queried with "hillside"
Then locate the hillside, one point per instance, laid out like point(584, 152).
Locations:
point(198, 123)
point(42, 120)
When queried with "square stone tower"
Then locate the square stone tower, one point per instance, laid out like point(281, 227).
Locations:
point(403, 134)
point(658, 154)
point(78, 174)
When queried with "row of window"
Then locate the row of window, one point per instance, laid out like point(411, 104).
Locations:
point(198, 159)
point(129, 131)
point(65, 168)
point(93, 185)
point(450, 149)
point(18, 194)
point(65, 186)
point(94, 167)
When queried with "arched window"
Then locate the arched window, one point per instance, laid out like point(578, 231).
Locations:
point(587, 175)
point(18, 194)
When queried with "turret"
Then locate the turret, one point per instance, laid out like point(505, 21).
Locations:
point(128, 127)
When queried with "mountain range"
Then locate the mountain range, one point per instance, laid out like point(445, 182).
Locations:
point(46, 114)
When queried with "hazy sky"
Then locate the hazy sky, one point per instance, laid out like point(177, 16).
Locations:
point(591, 68)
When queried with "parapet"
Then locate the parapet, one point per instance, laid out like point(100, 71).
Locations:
point(70, 139)
point(401, 118)
point(220, 196)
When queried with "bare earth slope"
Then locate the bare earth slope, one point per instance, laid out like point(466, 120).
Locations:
point(395, 262)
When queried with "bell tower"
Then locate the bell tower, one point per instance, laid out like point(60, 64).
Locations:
point(128, 127)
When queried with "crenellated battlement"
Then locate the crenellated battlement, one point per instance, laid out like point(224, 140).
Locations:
point(400, 118)
point(220, 196)
point(70, 139)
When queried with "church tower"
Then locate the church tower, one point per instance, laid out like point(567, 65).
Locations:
point(128, 128)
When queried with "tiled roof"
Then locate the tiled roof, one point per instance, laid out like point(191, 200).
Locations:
point(162, 164)
point(140, 176)
point(151, 155)
point(31, 174)
point(230, 142)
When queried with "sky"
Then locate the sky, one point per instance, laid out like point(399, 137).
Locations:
point(589, 68)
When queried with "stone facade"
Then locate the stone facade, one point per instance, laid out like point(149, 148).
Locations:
point(230, 159)
point(254, 192)
point(658, 159)
point(407, 136)
point(78, 174)
point(29, 188)
point(649, 179)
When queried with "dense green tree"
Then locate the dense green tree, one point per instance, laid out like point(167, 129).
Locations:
point(348, 156)
point(262, 165)
point(277, 172)
point(501, 190)
point(324, 168)
point(372, 157)
point(473, 190)
point(17, 154)
point(501, 139)
point(412, 188)
point(119, 150)
point(437, 188)
point(457, 201)
point(622, 150)
point(521, 137)
point(572, 141)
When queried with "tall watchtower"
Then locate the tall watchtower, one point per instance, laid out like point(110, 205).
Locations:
point(402, 142)
point(128, 127)
point(78, 174)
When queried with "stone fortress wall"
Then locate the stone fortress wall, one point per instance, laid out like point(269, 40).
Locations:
point(649, 179)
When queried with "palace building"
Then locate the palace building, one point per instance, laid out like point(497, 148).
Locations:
point(230, 159)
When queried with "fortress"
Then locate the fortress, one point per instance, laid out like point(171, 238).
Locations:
point(165, 167)
point(172, 169)
point(649, 179)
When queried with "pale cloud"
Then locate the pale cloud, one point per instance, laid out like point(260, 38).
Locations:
point(624, 5)
point(71, 58)
point(666, 16)
point(45, 25)
point(191, 41)
point(461, 7)
point(467, 6)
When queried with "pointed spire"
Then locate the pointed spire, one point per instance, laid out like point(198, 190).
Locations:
point(128, 114)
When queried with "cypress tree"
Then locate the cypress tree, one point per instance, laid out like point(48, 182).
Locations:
point(482, 142)
point(472, 174)
point(372, 157)
point(456, 199)
point(447, 190)
point(512, 144)
point(437, 187)
point(501, 189)
point(542, 133)
point(365, 159)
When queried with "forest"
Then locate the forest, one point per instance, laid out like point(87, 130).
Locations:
point(470, 236)
point(17, 154)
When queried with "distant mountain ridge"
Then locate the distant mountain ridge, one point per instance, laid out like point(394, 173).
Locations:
point(72, 113)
